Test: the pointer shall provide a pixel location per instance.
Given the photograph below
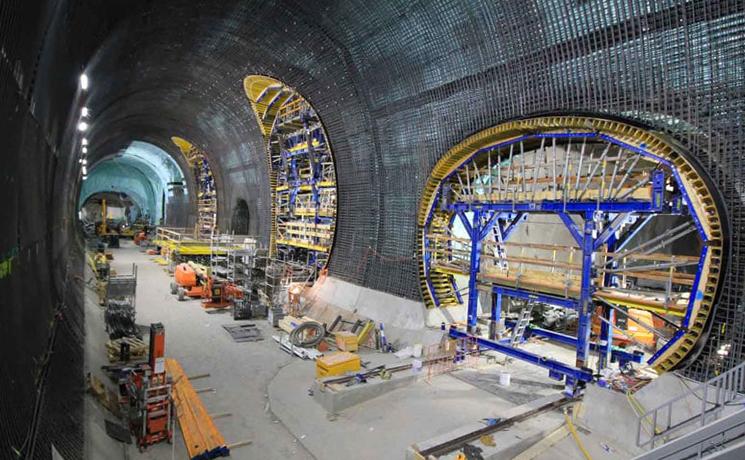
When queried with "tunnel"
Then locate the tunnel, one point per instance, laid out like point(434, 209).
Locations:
point(147, 174)
point(384, 153)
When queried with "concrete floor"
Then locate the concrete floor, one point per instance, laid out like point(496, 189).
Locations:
point(383, 427)
point(266, 390)
point(240, 372)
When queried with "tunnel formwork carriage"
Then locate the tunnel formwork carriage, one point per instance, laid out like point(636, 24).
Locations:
point(206, 188)
point(637, 227)
point(301, 171)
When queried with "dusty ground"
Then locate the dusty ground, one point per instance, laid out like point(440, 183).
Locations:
point(240, 372)
point(266, 390)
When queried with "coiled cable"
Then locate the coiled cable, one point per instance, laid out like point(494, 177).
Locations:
point(300, 338)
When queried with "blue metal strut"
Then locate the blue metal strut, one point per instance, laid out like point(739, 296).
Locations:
point(574, 373)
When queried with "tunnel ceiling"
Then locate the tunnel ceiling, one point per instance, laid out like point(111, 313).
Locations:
point(398, 83)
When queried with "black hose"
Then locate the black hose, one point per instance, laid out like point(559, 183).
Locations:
point(297, 336)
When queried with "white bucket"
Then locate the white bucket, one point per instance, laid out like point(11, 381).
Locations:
point(504, 379)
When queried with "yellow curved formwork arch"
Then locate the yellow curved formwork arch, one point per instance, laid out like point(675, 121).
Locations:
point(272, 101)
point(206, 199)
point(266, 96)
point(702, 200)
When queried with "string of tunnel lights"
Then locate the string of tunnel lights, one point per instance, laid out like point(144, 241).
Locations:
point(83, 125)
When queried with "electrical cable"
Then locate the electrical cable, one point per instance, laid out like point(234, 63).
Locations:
point(573, 430)
point(299, 338)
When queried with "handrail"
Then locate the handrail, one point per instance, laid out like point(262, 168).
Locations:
point(724, 388)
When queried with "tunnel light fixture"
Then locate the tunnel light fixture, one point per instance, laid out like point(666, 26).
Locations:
point(82, 126)
point(84, 111)
point(84, 141)
point(84, 161)
point(84, 82)
point(85, 150)
point(85, 170)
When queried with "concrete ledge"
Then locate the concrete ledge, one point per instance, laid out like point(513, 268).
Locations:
point(336, 398)
point(406, 321)
point(380, 306)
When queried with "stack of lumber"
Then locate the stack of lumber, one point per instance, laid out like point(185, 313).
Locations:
point(137, 348)
point(201, 436)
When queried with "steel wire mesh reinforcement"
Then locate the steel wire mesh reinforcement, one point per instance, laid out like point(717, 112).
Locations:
point(434, 73)
point(396, 84)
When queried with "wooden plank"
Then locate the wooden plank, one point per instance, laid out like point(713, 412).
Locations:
point(201, 436)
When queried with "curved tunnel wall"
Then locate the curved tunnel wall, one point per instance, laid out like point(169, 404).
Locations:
point(397, 84)
point(145, 172)
point(109, 176)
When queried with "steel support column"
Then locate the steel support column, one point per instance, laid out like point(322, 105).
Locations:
point(606, 331)
point(585, 298)
point(477, 231)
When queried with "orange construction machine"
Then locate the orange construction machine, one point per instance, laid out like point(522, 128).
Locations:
point(140, 237)
point(190, 280)
point(220, 294)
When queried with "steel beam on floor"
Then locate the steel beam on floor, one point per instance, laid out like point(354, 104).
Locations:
point(556, 367)
point(619, 355)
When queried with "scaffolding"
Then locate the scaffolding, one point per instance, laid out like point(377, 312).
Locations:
point(206, 199)
point(231, 258)
point(279, 276)
point(302, 173)
point(178, 245)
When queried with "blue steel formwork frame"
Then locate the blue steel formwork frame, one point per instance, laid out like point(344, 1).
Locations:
point(486, 214)
point(294, 183)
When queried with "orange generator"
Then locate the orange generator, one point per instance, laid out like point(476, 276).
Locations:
point(220, 294)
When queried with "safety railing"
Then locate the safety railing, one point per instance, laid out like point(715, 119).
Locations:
point(662, 422)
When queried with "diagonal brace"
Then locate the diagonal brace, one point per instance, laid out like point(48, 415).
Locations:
point(611, 229)
point(572, 227)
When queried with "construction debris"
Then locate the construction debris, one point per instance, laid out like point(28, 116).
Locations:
point(105, 396)
point(120, 319)
point(118, 432)
point(244, 332)
point(286, 345)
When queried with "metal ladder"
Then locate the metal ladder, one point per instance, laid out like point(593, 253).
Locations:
point(519, 330)
point(499, 251)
